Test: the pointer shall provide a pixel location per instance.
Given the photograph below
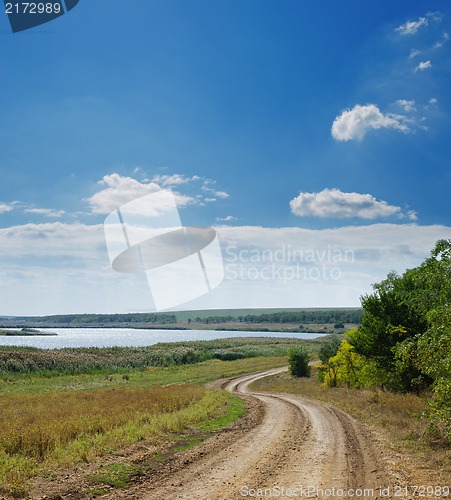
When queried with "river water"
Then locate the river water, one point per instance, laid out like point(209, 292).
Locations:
point(131, 337)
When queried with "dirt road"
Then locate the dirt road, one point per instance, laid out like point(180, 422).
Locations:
point(293, 447)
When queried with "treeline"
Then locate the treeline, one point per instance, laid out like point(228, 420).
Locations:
point(104, 319)
point(404, 340)
point(307, 316)
point(314, 316)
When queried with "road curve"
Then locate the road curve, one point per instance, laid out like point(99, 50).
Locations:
point(299, 447)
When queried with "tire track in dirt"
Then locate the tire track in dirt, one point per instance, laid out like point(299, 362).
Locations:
point(298, 442)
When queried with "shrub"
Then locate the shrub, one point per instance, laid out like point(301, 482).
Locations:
point(298, 360)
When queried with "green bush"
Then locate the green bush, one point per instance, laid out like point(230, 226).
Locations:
point(298, 360)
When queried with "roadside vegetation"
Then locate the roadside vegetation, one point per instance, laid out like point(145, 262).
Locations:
point(404, 341)
point(298, 362)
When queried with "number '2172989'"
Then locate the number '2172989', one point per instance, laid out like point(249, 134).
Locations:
point(32, 8)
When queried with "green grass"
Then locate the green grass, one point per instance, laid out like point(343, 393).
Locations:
point(188, 442)
point(117, 475)
point(235, 410)
point(198, 373)
point(97, 492)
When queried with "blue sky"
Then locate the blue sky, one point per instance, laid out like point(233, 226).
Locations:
point(292, 121)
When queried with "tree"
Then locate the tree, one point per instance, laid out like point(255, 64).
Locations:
point(348, 368)
point(434, 354)
point(345, 367)
point(298, 360)
point(329, 348)
point(395, 317)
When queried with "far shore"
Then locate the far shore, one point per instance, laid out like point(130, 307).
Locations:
point(323, 328)
point(25, 332)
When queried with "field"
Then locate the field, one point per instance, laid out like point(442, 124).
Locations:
point(60, 408)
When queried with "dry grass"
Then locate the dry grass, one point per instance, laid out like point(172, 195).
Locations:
point(43, 431)
point(397, 417)
point(35, 424)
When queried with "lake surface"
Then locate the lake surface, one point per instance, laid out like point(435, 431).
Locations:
point(131, 337)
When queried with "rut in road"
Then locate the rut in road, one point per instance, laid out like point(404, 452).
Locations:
point(298, 442)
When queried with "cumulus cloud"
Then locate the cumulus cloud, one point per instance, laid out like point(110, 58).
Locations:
point(5, 207)
point(336, 203)
point(414, 53)
point(118, 190)
point(353, 124)
point(423, 65)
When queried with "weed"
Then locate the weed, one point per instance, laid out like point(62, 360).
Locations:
point(117, 475)
point(188, 442)
point(97, 492)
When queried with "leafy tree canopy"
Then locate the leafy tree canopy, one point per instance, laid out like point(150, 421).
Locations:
point(398, 314)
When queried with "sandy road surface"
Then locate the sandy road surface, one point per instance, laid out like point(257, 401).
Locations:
point(293, 442)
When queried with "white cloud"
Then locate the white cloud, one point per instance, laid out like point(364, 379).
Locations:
point(118, 190)
point(62, 268)
point(423, 65)
point(411, 215)
point(57, 268)
point(5, 207)
point(207, 186)
point(432, 101)
point(435, 16)
point(414, 53)
point(52, 239)
point(296, 267)
point(445, 38)
point(207, 189)
point(335, 203)
point(173, 180)
point(228, 218)
point(47, 212)
point(411, 27)
point(222, 194)
point(406, 105)
point(353, 124)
